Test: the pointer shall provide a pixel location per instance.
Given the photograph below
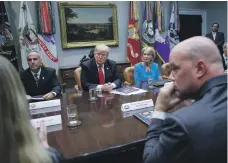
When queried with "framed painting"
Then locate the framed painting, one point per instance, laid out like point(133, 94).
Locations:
point(86, 24)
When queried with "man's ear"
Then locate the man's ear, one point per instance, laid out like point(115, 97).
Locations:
point(201, 69)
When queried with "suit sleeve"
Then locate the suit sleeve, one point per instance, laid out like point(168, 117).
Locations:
point(84, 79)
point(137, 74)
point(55, 84)
point(166, 142)
point(116, 77)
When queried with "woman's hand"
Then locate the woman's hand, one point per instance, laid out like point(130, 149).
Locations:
point(43, 134)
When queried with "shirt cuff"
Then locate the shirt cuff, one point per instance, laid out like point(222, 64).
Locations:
point(99, 87)
point(54, 93)
point(159, 115)
point(113, 85)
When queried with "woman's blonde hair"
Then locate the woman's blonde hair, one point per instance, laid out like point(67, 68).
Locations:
point(19, 142)
point(150, 50)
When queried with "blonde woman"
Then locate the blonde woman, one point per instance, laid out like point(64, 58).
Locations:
point(147, 68)
point(19, 142)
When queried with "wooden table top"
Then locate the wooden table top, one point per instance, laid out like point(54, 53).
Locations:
point(103, 125)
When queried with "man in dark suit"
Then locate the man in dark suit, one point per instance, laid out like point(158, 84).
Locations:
point(218, 38)
point(196, 133)
point(40, 80)
point(100, 72)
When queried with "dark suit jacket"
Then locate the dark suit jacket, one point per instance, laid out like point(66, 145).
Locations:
point(194, 134)
point(219, 41)
point(48, 82)
point(89, 74)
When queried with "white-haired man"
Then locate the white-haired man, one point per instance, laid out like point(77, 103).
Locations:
point(100, 72)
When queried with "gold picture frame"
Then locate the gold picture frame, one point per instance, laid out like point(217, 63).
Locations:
point(86, 24)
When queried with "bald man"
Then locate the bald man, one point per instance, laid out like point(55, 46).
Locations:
point(196, 133)
point(38, 80)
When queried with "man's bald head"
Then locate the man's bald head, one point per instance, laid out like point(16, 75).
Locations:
point(200, 47)
point(193, 62)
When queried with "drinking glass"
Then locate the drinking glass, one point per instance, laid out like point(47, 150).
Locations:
point(93, 94)
point(150, 83)
point(72, 115)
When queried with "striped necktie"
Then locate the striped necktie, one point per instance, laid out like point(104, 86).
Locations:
point(36, 78)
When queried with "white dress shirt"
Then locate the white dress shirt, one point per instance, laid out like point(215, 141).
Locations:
point(214, 35)
point(38, 74)
point(99, 86)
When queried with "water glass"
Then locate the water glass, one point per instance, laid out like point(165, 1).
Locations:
point(150, 83)
point(72, 115)
point(93, 95)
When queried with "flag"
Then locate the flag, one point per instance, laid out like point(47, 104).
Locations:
point(174, 26)
point(30, 40)
point(148, 35)
point(161, 37)
point(133, 43)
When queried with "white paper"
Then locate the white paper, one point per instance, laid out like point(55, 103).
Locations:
point(49, 121)
point(137, 105)
point(44, 104)
point(128, 94)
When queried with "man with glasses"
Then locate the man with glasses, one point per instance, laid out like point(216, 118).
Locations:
point(39, 80)
point(100, 72)
point(218, 38)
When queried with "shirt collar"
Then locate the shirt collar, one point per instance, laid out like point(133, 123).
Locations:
point(102, 66)
point(38, 73)
point(214, 32)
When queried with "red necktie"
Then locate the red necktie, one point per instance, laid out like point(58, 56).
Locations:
point(101, 75)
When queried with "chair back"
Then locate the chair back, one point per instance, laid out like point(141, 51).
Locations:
point(77, 76)
point(129, 75)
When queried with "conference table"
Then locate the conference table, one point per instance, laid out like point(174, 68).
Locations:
point(105, 134)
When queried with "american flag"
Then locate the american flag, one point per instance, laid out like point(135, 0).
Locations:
point(26, 41)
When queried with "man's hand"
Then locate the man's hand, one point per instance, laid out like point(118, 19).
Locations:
point(106, 88)
point(43, 134)
point(167, 98)
point(49, 96)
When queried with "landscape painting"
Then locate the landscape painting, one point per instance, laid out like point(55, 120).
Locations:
point(84, 25)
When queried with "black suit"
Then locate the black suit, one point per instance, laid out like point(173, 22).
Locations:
point(90, 77)
point(48, 82)
point(219, 41)
point(194, 134)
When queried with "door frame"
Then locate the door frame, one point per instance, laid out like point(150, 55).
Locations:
point(184, 11)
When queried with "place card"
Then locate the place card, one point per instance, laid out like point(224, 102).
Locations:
point(44, 104)
point(49, 121)
point(137, 105)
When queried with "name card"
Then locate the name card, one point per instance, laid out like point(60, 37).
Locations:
point(44, 104)
point(137, 105)
point(49, 121)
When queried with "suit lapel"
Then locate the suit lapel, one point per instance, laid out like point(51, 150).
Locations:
point(107, 71)
point(217, 37)
point(42, 76)
point(31, 77)
point(94, 69)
